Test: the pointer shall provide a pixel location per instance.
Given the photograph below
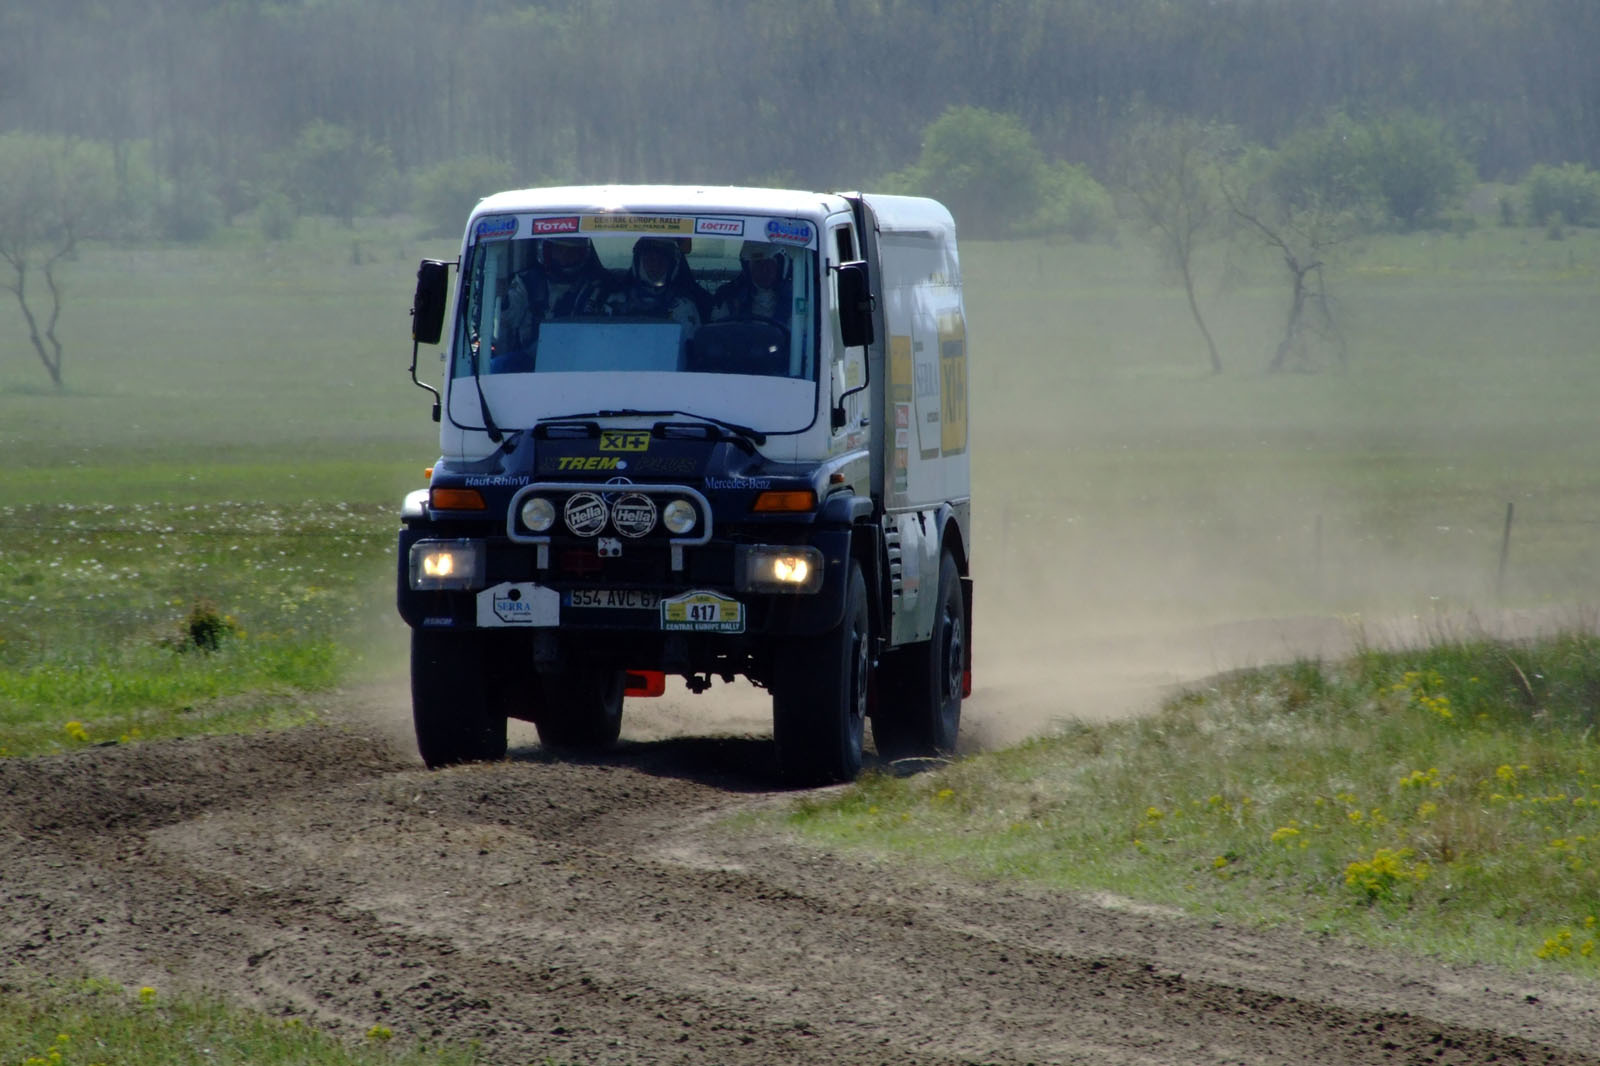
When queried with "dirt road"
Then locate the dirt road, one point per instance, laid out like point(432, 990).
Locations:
point(597, 913)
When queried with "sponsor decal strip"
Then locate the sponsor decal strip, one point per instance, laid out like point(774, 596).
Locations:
point(638, 223)
point(791, 231)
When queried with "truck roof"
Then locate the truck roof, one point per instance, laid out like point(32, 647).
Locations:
point(662, 198)
point(893, 213)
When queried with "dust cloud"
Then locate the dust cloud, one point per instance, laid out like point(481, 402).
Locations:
point(1089, 612)
point(1098, 598)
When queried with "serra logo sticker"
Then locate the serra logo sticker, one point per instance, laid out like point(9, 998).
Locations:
point(789, 230)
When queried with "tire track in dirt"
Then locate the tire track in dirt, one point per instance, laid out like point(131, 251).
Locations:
point(597, 912)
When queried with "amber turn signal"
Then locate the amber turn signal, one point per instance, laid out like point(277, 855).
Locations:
point(785, 502)
point(455, 500)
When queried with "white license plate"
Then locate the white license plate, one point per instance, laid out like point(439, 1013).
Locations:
point(627, 599)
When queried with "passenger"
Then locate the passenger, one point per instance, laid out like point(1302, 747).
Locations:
point(571, 279)
point(517, 334)
point(764, 288)
point(661, 285)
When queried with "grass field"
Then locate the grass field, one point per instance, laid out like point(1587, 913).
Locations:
point(235, 435)
point(199, 530)
point(238, 428)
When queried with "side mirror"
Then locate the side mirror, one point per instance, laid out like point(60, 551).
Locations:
point(855, 305)
point(427, 306)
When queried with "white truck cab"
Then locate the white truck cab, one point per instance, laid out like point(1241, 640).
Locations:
point(695, 431)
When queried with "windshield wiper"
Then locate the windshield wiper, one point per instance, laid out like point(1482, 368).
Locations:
point(483, 404)
point(755, 436)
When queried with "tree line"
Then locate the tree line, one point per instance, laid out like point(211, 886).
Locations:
point(212, 95)
point(1295, 123)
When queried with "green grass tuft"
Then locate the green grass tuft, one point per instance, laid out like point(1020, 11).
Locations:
point(97, 1023)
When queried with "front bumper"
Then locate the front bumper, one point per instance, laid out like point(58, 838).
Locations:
point(643, 593)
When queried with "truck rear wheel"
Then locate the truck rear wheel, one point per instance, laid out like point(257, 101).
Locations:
point(819, 696)
point(457, 698)
point(581, 709)
point(918, 713)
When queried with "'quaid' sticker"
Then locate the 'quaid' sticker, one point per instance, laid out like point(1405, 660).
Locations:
point(789, 230)
point(496, 228)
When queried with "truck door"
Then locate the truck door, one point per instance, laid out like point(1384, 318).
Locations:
point(848, 372)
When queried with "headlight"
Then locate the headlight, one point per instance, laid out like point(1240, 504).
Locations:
point(538, 514)
point(679, 516)
point(774, 568)
point(446, 564)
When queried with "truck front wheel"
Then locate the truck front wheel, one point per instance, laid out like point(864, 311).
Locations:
point(581, 709)
point(457, 698)
point(919, 705)
point(819, 695)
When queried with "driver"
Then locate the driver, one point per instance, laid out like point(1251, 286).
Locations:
point(571, 280)
point(763, 288)
point(660, 284)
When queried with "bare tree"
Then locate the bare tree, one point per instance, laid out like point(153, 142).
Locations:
point(1302, 202)
point(53, 193)
point(1167, 175)
point(1302, 239)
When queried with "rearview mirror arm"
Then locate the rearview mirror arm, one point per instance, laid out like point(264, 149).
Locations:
point(437, 399)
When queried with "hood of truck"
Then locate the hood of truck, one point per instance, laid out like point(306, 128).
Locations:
point(729, 472)
point(783, 409)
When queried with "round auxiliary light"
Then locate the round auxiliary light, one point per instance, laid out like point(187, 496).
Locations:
point(586, 513)
point(679, 516)
point(633, 514)
point(538, 513)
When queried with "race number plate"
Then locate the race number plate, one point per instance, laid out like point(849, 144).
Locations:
point(628, 599)
point(702, 612)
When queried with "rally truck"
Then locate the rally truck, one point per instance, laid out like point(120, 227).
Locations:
point(699, 433)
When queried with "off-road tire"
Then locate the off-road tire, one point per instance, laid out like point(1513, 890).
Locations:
point(581, 709)
point(918, 709)
point(457, 698)
point(819, 696)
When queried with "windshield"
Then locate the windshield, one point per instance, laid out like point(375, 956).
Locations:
point(726, 295)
